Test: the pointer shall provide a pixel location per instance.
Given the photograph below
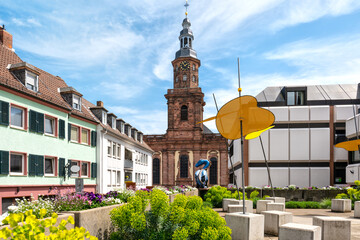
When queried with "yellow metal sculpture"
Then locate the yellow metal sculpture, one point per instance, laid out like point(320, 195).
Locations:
point(242, 109)
point(350, 146)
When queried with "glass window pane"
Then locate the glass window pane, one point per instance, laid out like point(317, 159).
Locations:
point(113, 178)
point(49, 125)
point(49, 166)
point(84, 169)
point(74, 133)
point(84, 136)
point(118, 177)
point(300, 98)
point(109, 148)
point(119, 151)
point(184, 77)
point(114, 150)
point(17, 117)
point(109, 179)
point(16, 163)
point(290, 98)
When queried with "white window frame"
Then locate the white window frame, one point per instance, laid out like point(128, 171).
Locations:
point(53, 125)
point(109, 179)
point(118, 151)
point(23, 117)
point(73, 103)
point(28, 75)
point(22, 164)
point(104, 117)
point(118, 178)
point(54, 166)
point(114, 150)
point(109, 148)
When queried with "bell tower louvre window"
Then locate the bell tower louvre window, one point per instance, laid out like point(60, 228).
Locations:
point(156, 171)
point(184, 113)
point(213, 170)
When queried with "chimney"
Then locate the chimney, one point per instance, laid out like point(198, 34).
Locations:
point(5, 37)
point(99, 104)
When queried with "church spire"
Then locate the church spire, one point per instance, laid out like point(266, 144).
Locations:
point(186, 38)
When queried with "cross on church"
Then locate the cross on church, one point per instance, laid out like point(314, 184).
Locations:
point(186, 6)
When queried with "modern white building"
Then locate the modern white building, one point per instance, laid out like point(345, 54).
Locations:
point(309, 121)
point(121, 152)
point(352, 133)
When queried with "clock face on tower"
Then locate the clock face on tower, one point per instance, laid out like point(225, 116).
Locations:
point(185, 65)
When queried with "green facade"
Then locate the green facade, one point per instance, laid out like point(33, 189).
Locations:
point(33, 143)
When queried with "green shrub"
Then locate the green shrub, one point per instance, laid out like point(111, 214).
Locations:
point(325, 203)
point(208, 204)
point(216, 194)
point(33, 228)
point(305, 204)
point(185, 218)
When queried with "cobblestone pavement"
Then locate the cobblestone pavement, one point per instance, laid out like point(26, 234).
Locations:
point(304, 216)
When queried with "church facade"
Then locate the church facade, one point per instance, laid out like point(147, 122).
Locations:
point(186, 142)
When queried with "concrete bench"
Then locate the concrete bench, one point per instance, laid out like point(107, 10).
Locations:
point(275, 207)
point(231, 201)
point(295, 231)
point(245, 226)
point(236, 208)
point(333, 228)
point(276, 199)
point(261, 205)
point(340, 205)
point(357, 209)
point(227, 201)
point(274, 219)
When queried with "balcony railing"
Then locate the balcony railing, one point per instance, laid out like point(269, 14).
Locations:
point(128, 164)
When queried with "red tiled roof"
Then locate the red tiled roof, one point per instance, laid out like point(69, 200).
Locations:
point(48, 84)
point(89, 105)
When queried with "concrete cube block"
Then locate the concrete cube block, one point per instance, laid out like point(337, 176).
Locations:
point(227, 201)
point(274, 219)
point(245, 226)
point(261, 205)
point(295, 231)
point(340, 205)
point(236, 208)
point(275, 207)
point(276, 199)
point(357, 209)
point(333, 228)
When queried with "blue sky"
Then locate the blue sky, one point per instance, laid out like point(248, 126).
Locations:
point(120, 52)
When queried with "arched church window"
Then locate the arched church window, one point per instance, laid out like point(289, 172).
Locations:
point(156, 171)
point(190, 42)
point(184, 113)
point(194, 79)
point(213, 170)
point(184, 77)
point(177, 79)
point(184, 166)
point(177, 68)
point(194, 67)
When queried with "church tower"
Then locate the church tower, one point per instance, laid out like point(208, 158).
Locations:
point(185, 142)
point(185, 100)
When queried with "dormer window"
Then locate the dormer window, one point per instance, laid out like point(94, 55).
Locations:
point(76, 102)
point(113, 123)
point(104, 115)
point(31, 81)
point(295, 96)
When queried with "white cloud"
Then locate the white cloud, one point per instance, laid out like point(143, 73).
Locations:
point(294, 12)
point(122, 111)
point(33, 21)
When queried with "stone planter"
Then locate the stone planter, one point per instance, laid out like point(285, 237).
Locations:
point(96, 220)
point(172, 197)
point(61, 216)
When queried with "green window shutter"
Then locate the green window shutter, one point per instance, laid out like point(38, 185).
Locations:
point(40, 166)
point(93, 170)
point(61, 167)
point(69, 131)
point(4, 162)
point(61, 128)
point(93, 138)
point(68, 169)
point(32, 121)
point(40, 122)
point(4, 113)
point(32, 165)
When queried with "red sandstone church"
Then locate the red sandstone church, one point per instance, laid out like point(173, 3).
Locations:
point(186, 142)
